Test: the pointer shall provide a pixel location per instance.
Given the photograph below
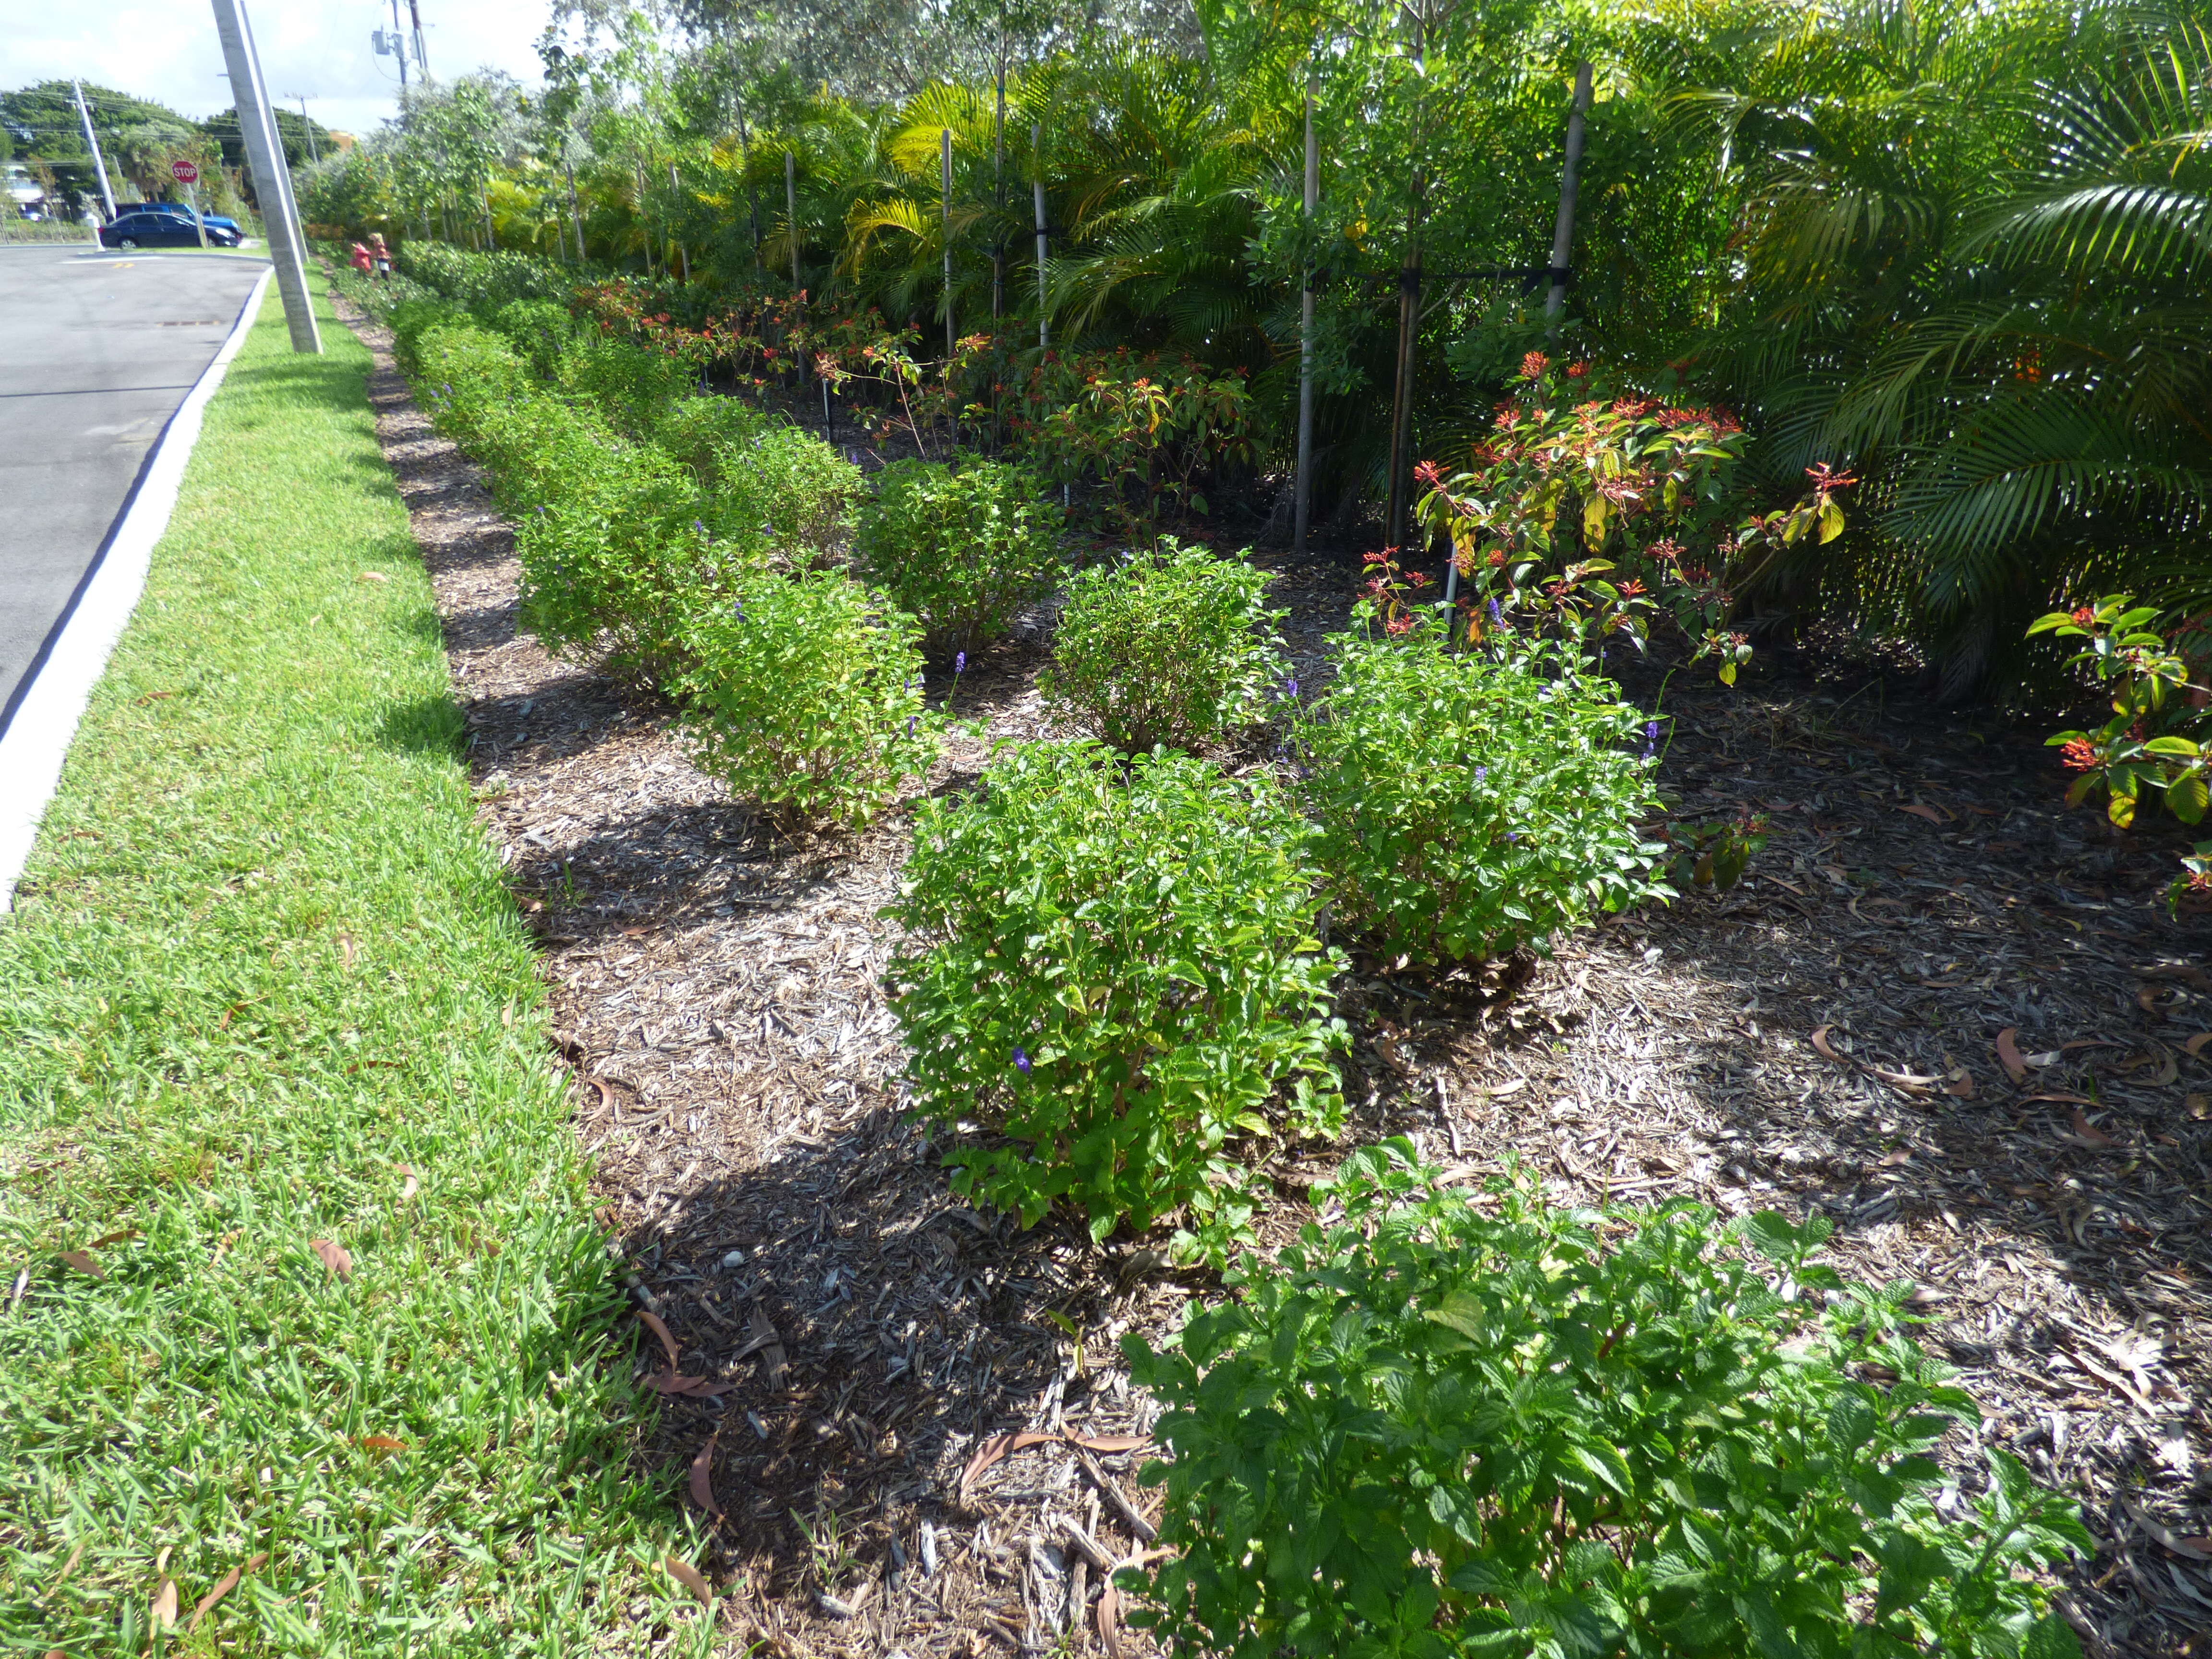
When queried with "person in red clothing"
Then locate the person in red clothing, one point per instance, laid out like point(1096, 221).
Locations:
point(362, 262)
point(380, 253)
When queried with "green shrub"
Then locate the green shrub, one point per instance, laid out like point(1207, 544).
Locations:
point(633, 385)
point(482, 282)
point(1424, 1431)
point(410, 320)
point(1470, 807)
point(805, 693)
point(539, 330)
point(1114, 977)
point(787, 487)
point(964, 550)
point(693, 431)
point(464, 373)
point(1174, 646)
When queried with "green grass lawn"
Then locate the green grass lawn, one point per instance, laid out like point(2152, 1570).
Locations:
point(265, 988)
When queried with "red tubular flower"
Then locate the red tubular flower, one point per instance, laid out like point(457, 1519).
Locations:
point(2085, 616)
point(1496, 557)
point(1534, 365)
point(2080, 755)
point(1826, 478)
point(1399, 624)
point(1576, 371)
point(1426, 473)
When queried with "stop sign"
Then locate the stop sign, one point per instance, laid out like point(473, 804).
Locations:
point(184, 172)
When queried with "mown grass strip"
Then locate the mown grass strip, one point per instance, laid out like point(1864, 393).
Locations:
point(264, 989)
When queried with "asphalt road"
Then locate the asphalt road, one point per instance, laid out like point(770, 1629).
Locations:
point(96, 352)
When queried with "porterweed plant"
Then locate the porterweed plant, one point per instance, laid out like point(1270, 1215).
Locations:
point(1113, 973)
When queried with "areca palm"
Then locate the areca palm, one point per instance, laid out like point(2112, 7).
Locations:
point(1974, 241)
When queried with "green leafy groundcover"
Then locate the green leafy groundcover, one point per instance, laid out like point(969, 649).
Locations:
point(266, 1001)
point(1443, 1423)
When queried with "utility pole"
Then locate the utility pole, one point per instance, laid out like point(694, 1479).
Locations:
point(92, 143)
point(791, 229)
point(1302, 514)
point(422, 57)
point(272, 179)
point(399, 50)
point(1563, 233)
point(315, 150)
point(1037, 170)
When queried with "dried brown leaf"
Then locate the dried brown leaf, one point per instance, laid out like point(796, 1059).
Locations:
point(165, 1604)
point(1960, 1084)
point(703, 1477)
point(223, 1586)
point(83, 1261)
point(2198, 1106)
point(106, 1239)
point(2196, 1549)
point(991, 1451)
point(690, 1577)
point(654, 1323)
point(333, 1255)
point(1821, 1046)
point(2009, 1056)
point(2089, 1131)
point(380, 1443)
point(2196, 1045)
point(1921, 811)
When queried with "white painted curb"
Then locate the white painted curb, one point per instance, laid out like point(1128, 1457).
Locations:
point(37, 740)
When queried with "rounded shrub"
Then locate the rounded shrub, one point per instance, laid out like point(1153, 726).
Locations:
point(805, 693)
point(1175, 646)
point(790, 488)
point(539, 330)
point(964, 550)
point(1113, 976)
point(1427, 1429)
point(1468, 806)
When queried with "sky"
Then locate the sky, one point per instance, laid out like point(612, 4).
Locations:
point(170, 54)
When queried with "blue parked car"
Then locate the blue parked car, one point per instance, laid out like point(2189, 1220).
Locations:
point(133, 230)
point(215, 220)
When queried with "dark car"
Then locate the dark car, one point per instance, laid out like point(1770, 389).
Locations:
point(162, 230)
point(215, 220)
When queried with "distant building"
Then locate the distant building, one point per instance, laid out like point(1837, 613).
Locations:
point(28, 199)
point(343, 140)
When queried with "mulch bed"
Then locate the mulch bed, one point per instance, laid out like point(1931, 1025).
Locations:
point(1825, 1039)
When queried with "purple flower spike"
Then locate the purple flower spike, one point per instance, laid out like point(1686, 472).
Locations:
point(1481, 773)
point(960, 662)
point(1022, 1062)
point(1496, 616)
point(911, 720)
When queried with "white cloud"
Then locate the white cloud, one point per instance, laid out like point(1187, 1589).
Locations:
point(320, 47)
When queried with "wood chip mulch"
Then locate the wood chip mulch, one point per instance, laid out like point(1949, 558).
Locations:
point(1825, 1039)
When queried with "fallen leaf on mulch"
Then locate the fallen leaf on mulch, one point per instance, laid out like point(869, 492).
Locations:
point(2196, 1549)
point(1820, 1041)
point(2009, 1056)
point(1918, 811)
point(1109, 1603)
point(332, 1255)
point(2196, 1045)
point(223, 1586)
point(703, 1478)
point(690, 1577)
point(1958, 1083)
point(2199, 1106)
point(673, 1381)
point(2089, 1131)
point(83, 1261)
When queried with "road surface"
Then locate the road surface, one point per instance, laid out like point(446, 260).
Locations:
point(96, 352)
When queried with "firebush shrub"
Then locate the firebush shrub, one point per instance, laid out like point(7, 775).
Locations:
point(964, 550)
point(1423, 1430)
point(1470, 804)
point(1115, 975)
point(1174, 647)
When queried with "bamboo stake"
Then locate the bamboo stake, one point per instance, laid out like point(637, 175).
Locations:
point(1037, 166)
point(791, 226)
point(576, 213)
point(945, 159)
point(1302, 513)
point(1563, 233)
